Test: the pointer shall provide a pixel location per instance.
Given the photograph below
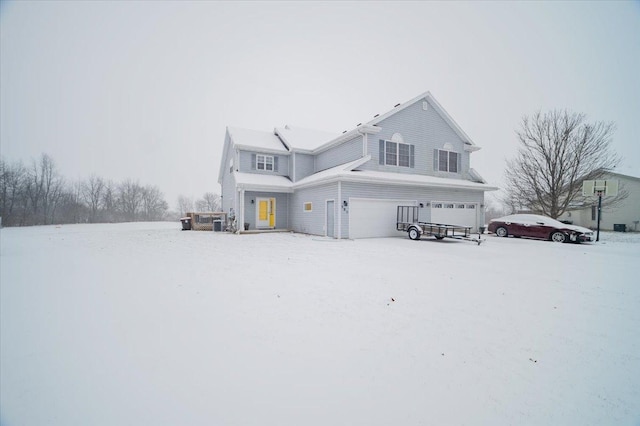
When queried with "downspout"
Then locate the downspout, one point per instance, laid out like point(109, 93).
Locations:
point(294, 166)
point(241, 223)
point(364, 144)
point(339, 209)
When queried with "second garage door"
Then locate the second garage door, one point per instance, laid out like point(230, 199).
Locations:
point(370, 218)
point(454, 213)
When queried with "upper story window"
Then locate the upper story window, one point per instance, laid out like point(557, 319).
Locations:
point(396, 153)
point(268, 163)
point(264, 162)
point(446, 160)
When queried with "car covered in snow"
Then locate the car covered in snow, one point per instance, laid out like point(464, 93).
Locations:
point(536, 226)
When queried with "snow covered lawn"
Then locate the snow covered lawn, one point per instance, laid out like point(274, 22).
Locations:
point(145, 324)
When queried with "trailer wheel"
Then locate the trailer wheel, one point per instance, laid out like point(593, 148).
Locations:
point(414, 234)
point(439, 237)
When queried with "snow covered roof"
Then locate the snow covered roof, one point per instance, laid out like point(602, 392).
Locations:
point(263, 182)
point(255, 139)
point(333, 172)
point(300, 139)
point(288, 138)
point(627, 171)
point(347, 172)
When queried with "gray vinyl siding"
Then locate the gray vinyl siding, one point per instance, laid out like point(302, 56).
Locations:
point(304, 165)
point(228, 183)
point(426, 130)
point(312, 222)
point(228, 191)
point(421, 195)
point(343, 153)
point(246, 163)
point(282, 208)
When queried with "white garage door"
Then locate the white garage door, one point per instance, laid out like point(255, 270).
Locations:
point(453, 213)
point(370, 217)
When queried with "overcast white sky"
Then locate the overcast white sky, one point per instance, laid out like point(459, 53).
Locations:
point(144, 90)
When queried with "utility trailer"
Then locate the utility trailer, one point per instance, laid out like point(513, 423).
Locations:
point(407, 220)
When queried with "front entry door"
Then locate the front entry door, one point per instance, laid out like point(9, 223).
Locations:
point(266, 213)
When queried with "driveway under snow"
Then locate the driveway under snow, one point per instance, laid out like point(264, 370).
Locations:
point(146, 324)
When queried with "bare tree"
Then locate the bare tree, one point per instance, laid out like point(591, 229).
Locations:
point(185, 204)
point(52, 188)
point(12, 192)
point(110, 202)
point(558, 150)
point(209, 202)
point(44, 188)
point(71, 207)
point(130, 199)
point(93, 195)
point(153, 204)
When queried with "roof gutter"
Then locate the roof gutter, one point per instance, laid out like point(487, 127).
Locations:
point(360, 130)
point(353, 177)
point(262, 150)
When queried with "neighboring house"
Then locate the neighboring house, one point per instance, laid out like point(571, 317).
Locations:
point(349, 185)
point(626, 212)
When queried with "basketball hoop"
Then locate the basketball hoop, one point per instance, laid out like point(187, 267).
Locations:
point(599, 188)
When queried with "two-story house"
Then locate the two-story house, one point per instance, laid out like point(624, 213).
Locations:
point(349, 185)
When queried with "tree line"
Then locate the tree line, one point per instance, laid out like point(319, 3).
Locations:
point(38, 194)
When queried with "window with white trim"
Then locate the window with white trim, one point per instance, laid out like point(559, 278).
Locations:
point(264, 162)
point(308, 207)
point(447, 161)
point(396, 154)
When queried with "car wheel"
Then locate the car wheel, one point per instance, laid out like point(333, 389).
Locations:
point(558, 237)
point(414, 234)
point(502, 232)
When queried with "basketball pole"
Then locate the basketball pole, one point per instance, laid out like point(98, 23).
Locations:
point(599, 212)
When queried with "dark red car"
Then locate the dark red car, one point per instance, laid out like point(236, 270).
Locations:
point(535, 226)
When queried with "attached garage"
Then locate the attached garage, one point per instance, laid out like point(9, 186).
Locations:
point(453, 213)
point(372, 218)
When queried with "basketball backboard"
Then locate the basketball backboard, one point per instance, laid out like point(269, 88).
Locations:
point(605, 187)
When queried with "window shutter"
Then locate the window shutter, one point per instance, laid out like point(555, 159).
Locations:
point(435, 160)
point(381, 151)
point(412, 162)
point(275, 164)
point(253, 161)
point(459, 163)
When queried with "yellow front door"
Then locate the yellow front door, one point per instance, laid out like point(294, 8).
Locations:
point(266, 213)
